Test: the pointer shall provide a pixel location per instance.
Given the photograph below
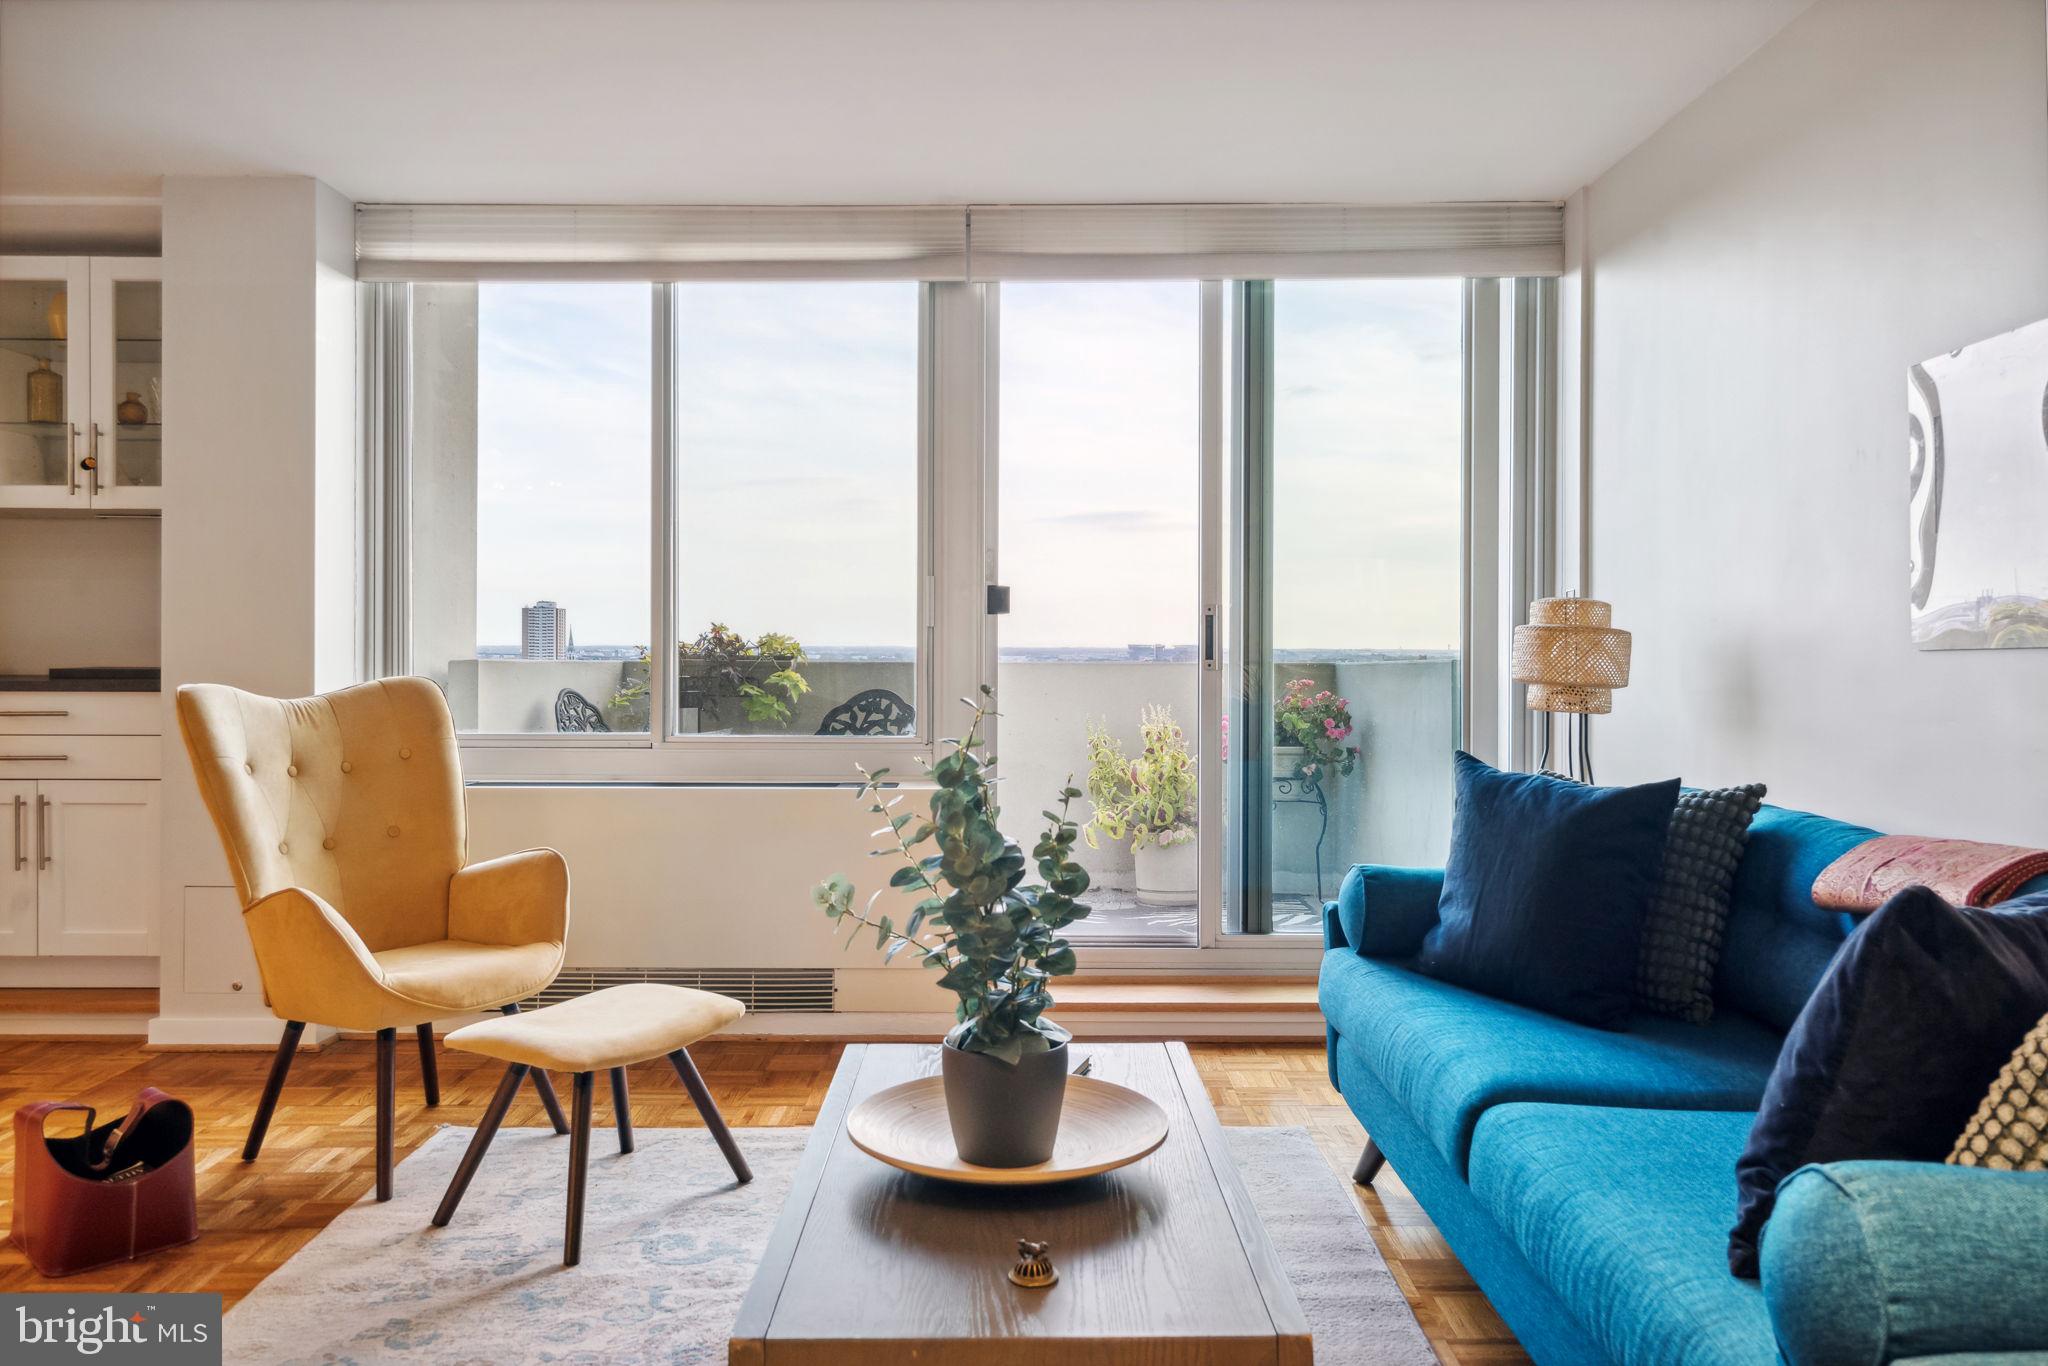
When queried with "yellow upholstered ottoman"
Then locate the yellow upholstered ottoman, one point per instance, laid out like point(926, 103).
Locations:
point(607, 1030)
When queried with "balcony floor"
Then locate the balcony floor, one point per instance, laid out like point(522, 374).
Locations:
point(1116, 917)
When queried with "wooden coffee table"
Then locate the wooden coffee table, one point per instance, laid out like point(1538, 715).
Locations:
point(1161, 1263)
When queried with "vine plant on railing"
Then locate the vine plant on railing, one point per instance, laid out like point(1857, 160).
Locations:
point(995, 938)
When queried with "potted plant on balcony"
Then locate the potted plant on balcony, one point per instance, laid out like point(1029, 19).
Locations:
point(1310, 727)
point(722, 677)
point(1151, 801)
point(994, 938)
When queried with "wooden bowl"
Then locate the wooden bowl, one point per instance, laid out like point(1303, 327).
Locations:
point(1103, 1126)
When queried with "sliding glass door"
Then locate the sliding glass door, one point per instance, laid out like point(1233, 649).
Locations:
point(1235, 523)
point(1345, 530)
point(1100, 548)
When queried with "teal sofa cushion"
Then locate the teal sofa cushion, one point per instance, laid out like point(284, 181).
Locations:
point(1385, 912)
point(1447, 1054)
point(1622, 1212)
point(1874, 1261)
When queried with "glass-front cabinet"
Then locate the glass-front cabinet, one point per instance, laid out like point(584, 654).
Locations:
point(81, 383)
point(45, 393)
point(126, 448)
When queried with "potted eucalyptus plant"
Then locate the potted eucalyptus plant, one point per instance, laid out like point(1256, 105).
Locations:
point(994, 938)
point(1149, 800)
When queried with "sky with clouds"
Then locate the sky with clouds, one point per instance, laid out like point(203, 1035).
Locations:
point(797, 432)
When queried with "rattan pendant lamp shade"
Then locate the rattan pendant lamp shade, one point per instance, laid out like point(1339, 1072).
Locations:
point(1571, 656)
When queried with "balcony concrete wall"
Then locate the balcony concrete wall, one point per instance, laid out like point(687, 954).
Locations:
point(1394, 808)
point(517, 696)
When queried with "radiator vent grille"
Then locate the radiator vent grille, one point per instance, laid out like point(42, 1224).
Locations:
point(808, 990)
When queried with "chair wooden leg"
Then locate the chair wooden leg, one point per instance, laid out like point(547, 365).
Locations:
point(430, 1074)
point(1369, 1163)
point(387, 1101)
point(579, 1168)
point(699, 1093)
point(287, 1046)
point(545, 1088)
point(480, 1142)
point(622, 1110)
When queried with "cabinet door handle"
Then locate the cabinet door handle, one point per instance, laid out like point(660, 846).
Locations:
point(20, 835)
point(93, 463)
point(74, 456)
point(34, 713)
point(43, 831)
point(33, 758)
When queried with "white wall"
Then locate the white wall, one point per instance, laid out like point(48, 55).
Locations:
point(1869, 190)
point(75, 592)
point(257, 535)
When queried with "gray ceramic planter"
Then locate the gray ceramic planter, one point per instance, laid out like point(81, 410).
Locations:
point(1004, 1115)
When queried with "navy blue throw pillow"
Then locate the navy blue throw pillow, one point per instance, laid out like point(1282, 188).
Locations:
point(1546, 889)
point(1895, 1048)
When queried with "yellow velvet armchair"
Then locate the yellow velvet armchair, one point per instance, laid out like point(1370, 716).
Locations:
point(342, 816)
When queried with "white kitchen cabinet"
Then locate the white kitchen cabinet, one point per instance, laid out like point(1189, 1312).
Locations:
point(99, 888)
point(82, 869)
point(80, 826)
point(90, 331)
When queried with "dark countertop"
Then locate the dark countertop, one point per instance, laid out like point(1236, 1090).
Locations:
point(67, 680)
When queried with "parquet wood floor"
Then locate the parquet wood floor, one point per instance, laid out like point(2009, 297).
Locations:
point(318, 1160)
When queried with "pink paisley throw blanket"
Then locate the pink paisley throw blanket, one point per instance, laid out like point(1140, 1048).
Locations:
point(1961, 872)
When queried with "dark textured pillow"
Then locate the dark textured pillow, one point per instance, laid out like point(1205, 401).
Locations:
point(1896, 1046)
point(1689, 910)
point(1546, 888)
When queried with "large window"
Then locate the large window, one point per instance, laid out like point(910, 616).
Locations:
point(784, 421)
point(1237, 556)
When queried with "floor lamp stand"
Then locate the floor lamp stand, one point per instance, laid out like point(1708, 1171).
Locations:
point(1578, 745)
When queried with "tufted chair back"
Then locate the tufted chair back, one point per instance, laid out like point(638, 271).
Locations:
point(354, 795)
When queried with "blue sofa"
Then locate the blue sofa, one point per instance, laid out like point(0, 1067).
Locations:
point(1586, 1178)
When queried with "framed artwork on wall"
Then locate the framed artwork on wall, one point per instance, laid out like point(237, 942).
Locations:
point(1977, 451)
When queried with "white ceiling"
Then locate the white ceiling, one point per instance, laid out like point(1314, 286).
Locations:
point(848, 101)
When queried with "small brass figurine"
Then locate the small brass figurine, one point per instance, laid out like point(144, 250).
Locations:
point(1033, 1270)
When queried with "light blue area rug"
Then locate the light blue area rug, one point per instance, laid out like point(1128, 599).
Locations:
point(669, 1247)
